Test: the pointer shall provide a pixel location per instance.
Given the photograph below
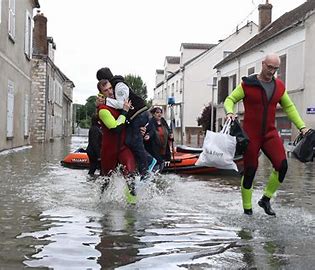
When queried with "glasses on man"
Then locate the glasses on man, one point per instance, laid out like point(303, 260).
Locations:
point(271, 67)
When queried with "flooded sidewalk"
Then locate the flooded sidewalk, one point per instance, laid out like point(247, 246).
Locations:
point(53, 217)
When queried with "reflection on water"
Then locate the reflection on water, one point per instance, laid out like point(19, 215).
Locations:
point(55, 217)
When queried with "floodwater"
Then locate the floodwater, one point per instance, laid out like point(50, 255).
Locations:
point(53, 217)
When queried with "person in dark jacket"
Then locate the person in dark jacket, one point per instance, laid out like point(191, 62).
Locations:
point(94, 146)
point(137, 116)
point(158, 137)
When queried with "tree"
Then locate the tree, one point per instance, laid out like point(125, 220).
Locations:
point(205, 119)
point(90, 106)
point(137, 85)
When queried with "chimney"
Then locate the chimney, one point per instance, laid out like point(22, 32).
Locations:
point(264, 15)
point(40, 44)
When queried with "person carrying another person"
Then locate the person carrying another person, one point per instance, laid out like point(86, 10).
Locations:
point(93, 149)
point(137, 117)
point(260, 94)
point(158, 137)
point(114, 150)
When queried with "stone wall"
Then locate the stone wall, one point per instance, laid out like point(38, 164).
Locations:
point(38, 100)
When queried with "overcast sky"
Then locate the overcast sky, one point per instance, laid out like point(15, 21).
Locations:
point(133, 37)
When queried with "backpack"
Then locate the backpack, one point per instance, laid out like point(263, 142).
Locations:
point(304, 146)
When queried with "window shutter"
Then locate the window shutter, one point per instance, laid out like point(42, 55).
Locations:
point(0, 9)
point(12, 18)
point(28, 34)
point(223, 89)
point(10, 109)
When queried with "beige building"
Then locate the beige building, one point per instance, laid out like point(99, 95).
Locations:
point(15, 71)
point(52, 91)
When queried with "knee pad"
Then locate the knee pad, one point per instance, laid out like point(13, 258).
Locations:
point(283, 170)
point(249, 174)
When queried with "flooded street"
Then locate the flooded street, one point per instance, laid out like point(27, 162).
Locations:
point(53, 217)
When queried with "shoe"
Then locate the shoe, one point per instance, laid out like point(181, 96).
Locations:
point(104, 185)
point(130, 192)
point(132, 187)
point(145, 177)
point(265, 204)
point(151, 166)
point(248, 212)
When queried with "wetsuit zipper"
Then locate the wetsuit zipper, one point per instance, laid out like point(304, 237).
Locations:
point(266, 105)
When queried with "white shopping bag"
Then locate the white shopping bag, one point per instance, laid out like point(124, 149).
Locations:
point(218, 149)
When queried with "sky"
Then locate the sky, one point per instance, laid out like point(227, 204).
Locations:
point(134, 37)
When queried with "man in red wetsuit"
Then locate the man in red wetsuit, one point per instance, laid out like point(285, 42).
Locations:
point(260, 94)
point(114, 150)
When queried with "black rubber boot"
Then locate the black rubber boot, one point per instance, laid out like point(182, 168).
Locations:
point(264, 203)
point(248, 212)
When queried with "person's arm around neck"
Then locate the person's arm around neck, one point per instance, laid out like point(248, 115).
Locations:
point(121, 94)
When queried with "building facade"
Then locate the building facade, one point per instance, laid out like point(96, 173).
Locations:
point(52, 91)
point(192, 82)
point(15, 77)
point(292, 37)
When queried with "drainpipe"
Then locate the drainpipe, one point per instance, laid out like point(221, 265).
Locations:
point(238, 78)
point(46, 100)
point(182, 69)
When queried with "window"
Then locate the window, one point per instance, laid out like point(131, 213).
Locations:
point(28, 35)
point(58, 93)
point(10, 109)
point(181, 86)
point(232, 82)
point(11, 21)
point(223, 89)
point(251, 71)
point(283, 67)
point(26, 109)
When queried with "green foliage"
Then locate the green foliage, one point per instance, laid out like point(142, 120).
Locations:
point(85, 112)
point(205, 119)
point(137, 85)
point(85, 123)
point(90, 106)
point(149, 103)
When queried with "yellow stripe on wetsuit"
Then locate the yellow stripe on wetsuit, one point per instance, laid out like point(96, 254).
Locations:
point(109, 121)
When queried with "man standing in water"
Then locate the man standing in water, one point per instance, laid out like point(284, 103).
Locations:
point(137, 116)
point(260, 94)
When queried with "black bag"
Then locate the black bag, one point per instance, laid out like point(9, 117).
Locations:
point(242, 139)
point(304, 146)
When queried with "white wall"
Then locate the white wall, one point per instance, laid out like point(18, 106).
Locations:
point(298, 45)
point(199, 74)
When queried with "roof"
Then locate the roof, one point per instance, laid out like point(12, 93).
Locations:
point(285, 22)
point(173, 59)
point(199, 46)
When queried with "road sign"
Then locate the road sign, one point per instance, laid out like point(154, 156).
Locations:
point(310, 110)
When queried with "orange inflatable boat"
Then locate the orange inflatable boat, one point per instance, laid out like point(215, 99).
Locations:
point(183, 162)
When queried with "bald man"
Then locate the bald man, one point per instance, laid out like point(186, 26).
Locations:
point(260, 94)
